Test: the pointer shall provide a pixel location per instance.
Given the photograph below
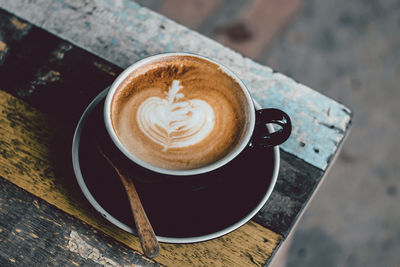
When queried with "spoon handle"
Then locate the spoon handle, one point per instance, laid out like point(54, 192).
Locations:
point(147, 237)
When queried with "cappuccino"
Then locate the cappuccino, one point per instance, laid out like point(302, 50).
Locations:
point(179, 113)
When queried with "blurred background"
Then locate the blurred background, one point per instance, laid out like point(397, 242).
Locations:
point(349, 51)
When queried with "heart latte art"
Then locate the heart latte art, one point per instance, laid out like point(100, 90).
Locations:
point(179, 113)
point(173, 123)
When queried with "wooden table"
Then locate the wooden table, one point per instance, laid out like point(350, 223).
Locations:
point(55, 57)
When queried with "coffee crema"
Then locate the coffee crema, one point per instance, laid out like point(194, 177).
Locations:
point(179, 113)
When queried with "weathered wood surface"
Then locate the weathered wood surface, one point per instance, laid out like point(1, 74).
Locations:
point(34, 233)
point(50, 74)
point(122, 32)
point(58, 73)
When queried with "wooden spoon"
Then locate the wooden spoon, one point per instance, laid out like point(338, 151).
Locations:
point(147, 237)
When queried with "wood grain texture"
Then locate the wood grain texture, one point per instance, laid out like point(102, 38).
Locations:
point(319, 123)
point(30, 157)
point(35, 233)
point(43, 69)
point(81, 75)
point(295, 186)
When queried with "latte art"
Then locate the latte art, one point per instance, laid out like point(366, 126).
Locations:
point(179, 113)
point(174, 123)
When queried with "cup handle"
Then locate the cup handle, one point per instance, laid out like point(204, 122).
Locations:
point(261, 137)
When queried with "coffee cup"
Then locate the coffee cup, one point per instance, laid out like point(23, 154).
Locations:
point(184, 114)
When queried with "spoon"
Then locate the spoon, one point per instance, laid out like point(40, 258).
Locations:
point(147, 237)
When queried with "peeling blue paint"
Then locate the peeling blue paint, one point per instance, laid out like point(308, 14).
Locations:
point(263, 72)
point(142, 16)
point(215, 52)
point(136, 45)
point(114, 42)
point(57, 5)
point(122, 15)
point(169, 47)
point(109, 2)
point(159, 39)
point(140, 28)
point(319, 122)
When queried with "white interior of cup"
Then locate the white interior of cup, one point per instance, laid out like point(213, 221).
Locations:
point(207, 168)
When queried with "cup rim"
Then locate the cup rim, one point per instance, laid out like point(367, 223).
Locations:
point(210, 167)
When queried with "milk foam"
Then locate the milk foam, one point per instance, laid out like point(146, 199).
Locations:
point(174, 123)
